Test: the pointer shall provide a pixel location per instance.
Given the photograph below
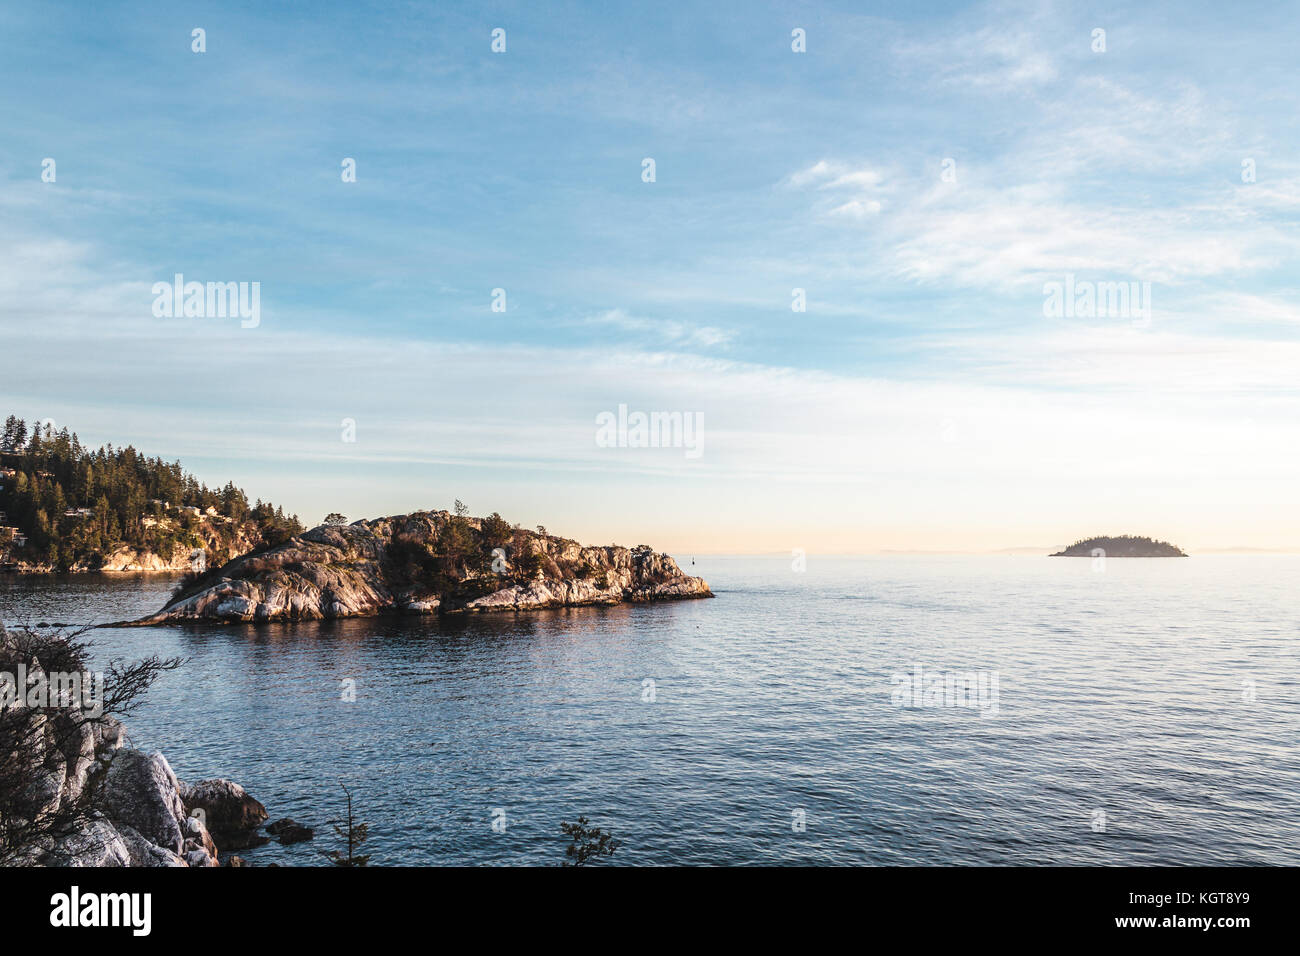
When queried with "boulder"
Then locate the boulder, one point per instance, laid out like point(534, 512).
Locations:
point(229, 814)
point(140, 790)
point(199, 857)
point(289, 831)
point(68, 762)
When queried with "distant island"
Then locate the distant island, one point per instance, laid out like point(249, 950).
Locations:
point(66, 507)
point(429, 562)
point(1123, 546)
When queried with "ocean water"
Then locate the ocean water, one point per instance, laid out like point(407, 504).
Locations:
point(1145, 714)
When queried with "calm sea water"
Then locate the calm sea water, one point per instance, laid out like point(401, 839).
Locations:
point(1164, 694)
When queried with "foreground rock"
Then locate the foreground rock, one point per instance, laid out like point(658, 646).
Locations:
point(289, 831)
point(230, 814)
point(116, 806)
point(424, 563)
point(144, 819)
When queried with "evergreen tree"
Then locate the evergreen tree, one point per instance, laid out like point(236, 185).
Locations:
point(55, 474)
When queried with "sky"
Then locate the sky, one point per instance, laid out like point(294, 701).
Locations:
point(924, 173)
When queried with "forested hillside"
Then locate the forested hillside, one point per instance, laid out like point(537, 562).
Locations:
point(65, 507)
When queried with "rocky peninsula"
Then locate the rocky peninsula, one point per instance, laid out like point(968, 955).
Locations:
point(425, 563)
point(1122, 546)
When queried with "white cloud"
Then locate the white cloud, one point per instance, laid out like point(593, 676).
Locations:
point(663, 332)
point(853, 192)
point(858, 209)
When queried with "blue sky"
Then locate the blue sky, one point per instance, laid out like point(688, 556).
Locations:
point(922, 400)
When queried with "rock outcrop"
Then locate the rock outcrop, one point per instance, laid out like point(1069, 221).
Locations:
point(424, 563)
point(289, 831)
point(141, 819)
point(118, 806)
point(231, 815)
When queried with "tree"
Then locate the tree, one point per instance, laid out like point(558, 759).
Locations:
point(355, 834)
point(334, 519)
point(587, 843)
point(496, 531)
point(15, 435)
point(524, 557)
point(55, 472)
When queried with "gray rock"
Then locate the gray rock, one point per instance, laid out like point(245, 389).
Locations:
point(140, 790)
point(199, 857)
point(97, 844)
point(45, 792)
point(144, 853)
point(66, 757)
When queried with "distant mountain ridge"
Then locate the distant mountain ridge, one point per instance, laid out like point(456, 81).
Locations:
point(1121, 546)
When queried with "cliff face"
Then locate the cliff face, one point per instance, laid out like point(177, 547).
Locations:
point(428, 562)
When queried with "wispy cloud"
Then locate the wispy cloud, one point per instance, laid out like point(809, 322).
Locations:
point(664, 333)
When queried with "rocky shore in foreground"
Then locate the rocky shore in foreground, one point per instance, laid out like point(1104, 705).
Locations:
point(425, 563)
point(149, 817)
point(72, 794)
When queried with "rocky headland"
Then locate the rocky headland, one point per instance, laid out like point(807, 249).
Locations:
point(425, 563)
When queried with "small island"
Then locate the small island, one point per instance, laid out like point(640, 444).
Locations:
point(1121, 546)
